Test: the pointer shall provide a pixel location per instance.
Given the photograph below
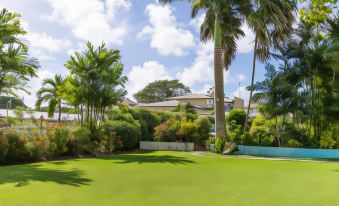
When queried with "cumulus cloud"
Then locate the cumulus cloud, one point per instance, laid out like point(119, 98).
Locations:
point(201, 70)
point(47, 42)
point(34, 85)
point(166, 34)
point(141, 75)
point(245, 44)
point(90, 19)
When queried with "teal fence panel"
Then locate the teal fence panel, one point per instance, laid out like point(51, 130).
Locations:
point(288, 152)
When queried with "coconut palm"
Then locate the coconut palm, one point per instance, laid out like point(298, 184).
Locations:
point(16, 67)
point(51, 92)
point(222, 24)
point(271, 22)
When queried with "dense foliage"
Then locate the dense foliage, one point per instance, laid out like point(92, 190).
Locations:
point(159, 90)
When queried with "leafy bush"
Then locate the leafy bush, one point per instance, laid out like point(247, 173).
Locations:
point(220, 144)
point(235, 132)
point(38, 147)
point(164, 116)
point(3, 148)
point(204, 126)
point(167, 131)
point(128, 132)
point(188, 132)
point(209, 141)
point(294, 143)
point(80, 141)
point(327, 140)
point(260, 132)
point(59, 139)
point(110, 142)
point(17, 150)
point(237, 115)
point(212, 119)
point(147, 120)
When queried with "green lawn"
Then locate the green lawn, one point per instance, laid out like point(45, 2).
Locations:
point(170, 178)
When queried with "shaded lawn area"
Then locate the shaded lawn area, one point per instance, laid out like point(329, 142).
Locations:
point(170, 178)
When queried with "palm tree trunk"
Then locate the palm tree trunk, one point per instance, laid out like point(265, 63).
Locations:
point(252, 82)
point(59, 118)
point(219, 83)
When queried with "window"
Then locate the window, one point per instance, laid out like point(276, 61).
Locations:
point(210, 101)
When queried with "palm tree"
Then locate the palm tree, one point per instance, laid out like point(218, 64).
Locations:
point(16, 67)
point(99, 81)
point(52, 93)
point(272, 24)
point(222, 23)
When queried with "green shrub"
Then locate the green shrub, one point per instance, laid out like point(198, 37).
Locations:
point(204, 127)
point(148, 120)
point(188, 132)
point(129, 133)
point(237, 115)
point(326, 140)
point(110, 142)
point(59, 139)
point(209, 141)
point(38, 147)
point(3, 149)
point(80, 141)
point(294, 143)
point(235, 131)
point(211, 118)
point(260, 132)
point(164, 116)
point(167, 131)
point(220, 144)
point(17, 150)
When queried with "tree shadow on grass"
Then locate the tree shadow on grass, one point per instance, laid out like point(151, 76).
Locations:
point(141, 159)
point(22, 174)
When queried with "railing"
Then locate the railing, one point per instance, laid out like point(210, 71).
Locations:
point(175, 146)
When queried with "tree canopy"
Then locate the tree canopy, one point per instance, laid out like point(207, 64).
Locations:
point(161, 89)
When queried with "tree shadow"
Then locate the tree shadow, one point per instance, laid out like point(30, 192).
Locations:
point(22, 174)
point(141, 159)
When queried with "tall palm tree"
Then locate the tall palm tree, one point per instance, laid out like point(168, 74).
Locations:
point(222, 23)
point(51, 92)
point(272, 24)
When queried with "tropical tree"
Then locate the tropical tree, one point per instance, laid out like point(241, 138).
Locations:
point(271, 22)
point(16, 67)
point(51, 93)
point(275, 96)
point(97, 77)
point(222, 23)
point(161, 89)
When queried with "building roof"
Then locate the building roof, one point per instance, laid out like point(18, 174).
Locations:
point(228, 100)
point(128, 102)
point(171, 103)
point(190, 96)
point(197, 96)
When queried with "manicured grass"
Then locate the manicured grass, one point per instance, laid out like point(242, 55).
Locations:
point(170, 178)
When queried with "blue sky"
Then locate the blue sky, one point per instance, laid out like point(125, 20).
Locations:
point(156, 41)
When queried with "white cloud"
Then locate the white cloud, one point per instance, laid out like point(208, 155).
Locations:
point(201, 70)
point(141, 75)
point(167, 35)
point(196, 22)
point(34, 85)
point(42, 44)
point(241, 77)
point(47, 42)
point(245, 44)
point(90, 20)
